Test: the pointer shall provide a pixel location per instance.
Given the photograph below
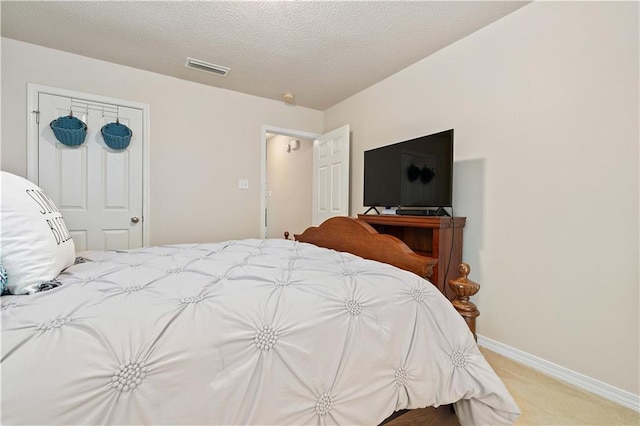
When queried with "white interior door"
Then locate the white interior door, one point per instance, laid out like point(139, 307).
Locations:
point(98, 190)
point(331, 175)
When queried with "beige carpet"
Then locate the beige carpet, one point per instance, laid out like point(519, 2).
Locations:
point(546, 401)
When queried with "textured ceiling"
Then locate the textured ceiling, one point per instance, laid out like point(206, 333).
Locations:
point(322, 51)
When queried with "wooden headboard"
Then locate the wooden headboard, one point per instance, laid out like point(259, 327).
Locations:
point(354, 236)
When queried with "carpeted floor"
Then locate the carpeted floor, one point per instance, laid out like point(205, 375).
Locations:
point(546, 401)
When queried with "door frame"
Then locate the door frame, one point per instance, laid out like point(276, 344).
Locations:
point(33, 92)
point(263, 160)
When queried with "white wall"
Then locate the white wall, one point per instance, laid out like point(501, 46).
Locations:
point(544, 103)
point(203, 139)
point(289, 184)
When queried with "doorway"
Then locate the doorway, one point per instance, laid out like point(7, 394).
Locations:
point(330, 174)
point(288, 184)
point(286, 181)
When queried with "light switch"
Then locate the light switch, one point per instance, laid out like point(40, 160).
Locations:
point(243, 184)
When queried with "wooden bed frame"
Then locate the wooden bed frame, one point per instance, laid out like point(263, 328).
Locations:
point(354, 236)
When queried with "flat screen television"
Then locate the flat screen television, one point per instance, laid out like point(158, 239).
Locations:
point(416, 173)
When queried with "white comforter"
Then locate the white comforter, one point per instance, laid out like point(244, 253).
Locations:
point(269, 332)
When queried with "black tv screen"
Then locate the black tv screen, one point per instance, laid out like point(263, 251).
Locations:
point(413, 173)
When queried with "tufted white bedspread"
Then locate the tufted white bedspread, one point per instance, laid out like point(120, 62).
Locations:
point(269, 332)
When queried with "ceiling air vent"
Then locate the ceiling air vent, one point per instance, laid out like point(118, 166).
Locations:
point(207, 67)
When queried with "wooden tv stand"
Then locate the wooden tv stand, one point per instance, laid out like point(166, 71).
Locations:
point(429, 236)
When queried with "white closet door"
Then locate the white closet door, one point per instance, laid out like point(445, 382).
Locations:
point(97, 189)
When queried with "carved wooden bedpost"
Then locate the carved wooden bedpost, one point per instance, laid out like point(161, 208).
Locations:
point(464, 288)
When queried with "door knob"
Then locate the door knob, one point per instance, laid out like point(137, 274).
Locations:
point(135, 219)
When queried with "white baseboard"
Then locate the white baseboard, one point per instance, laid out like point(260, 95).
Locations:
point(578, 380)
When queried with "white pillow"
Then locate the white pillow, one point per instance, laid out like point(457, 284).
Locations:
point(36, 245)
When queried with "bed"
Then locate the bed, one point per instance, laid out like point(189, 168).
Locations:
point(270, 332)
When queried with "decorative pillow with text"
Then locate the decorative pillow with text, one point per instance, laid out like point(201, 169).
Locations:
point(36, 245)
point(4, 279)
